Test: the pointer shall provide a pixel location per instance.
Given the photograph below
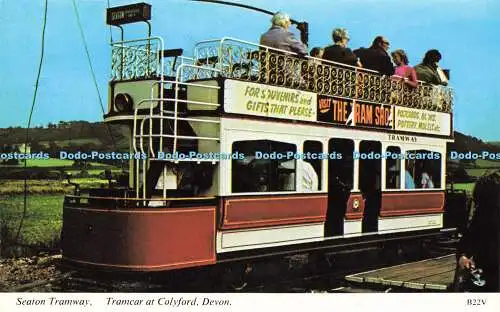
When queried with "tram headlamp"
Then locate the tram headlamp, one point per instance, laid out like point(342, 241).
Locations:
point(123, 103)
point(355, 204)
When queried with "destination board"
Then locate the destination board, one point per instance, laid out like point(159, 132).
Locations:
point(269, 101)
point(128, 14)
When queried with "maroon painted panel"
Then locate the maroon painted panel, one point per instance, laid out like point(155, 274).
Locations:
point(247, 212)
point(352, 212)
point(145, 240)
point(411, 203)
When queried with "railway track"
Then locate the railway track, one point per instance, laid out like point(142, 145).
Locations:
point(309, 272)
point(333, 267)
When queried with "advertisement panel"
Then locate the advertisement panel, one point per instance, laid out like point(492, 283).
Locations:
point(422, 121)
point(249, 98)
point(351, 113)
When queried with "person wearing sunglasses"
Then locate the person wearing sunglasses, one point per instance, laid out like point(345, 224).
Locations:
point(376, 56)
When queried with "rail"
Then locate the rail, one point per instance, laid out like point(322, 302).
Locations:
point(172, 64)
point(127, 203)
point(136, 59)
point(243, 60)
point(158, 131)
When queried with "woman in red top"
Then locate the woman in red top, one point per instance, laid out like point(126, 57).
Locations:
point(403, 70)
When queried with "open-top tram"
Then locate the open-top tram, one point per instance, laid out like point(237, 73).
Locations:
point(242, 150)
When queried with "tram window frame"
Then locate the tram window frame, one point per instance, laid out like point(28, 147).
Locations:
point(313, 148)
point(431, 166)
point(393, 175)
point(280, 175)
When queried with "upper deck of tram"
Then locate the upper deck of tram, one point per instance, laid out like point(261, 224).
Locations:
point(324, 91)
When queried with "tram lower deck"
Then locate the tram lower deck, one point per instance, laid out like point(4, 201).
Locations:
point(254, 206)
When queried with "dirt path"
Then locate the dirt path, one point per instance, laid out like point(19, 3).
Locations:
point(17, 272)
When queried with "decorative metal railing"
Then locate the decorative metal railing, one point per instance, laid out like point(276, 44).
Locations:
point(238, 59)
point(172, 64)
point(248, 61)
point(136, 59)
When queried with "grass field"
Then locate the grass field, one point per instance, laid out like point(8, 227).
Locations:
point(51, 162)
point(78, 142)
point(42, 225)
point(478, 172)
point(468, 187)
point(38, 187)
point(93, 171)
point(55, 162)
point(45, 198)
point(43, 163)
point(482, 163)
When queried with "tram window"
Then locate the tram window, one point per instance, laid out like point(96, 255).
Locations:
point(261, 170)
point(370, 167)
point(424, 167)
point(311, 179)
point(340, 165)
point(393, 168)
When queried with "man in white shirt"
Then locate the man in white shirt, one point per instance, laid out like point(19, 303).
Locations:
point(310, 181)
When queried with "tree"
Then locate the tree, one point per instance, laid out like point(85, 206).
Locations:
point(53, 149)
point(35, 146)
point(9, 149)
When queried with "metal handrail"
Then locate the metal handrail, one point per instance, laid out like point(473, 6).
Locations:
point(139, 131)
point(368, 84)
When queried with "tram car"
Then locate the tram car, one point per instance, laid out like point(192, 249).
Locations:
point(241, 150)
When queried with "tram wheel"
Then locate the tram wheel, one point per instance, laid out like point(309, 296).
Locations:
point(235, 276)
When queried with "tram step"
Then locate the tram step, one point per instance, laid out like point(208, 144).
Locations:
point(450, 242)
point(349, 289)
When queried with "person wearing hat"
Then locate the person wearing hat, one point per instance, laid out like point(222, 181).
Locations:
point(339, 52)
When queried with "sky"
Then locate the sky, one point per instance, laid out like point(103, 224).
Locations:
point(465, 31)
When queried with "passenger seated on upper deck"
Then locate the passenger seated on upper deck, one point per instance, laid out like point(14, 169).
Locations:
point(429, 70)
point(376, 57)
point(404, 70)
point(317, 52)
point(311, 73)
point(339, 52)
point(279, 37)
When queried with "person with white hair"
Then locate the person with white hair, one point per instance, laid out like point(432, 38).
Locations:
point(339, 52)
point(279, 37)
